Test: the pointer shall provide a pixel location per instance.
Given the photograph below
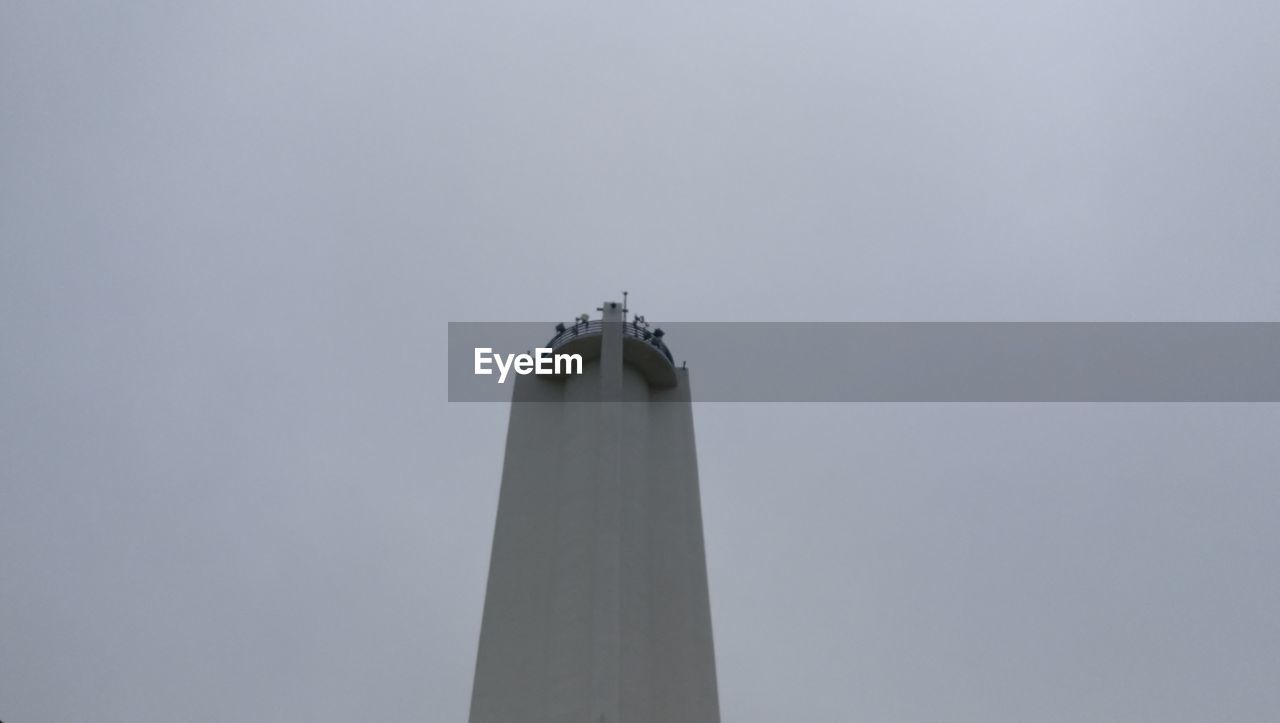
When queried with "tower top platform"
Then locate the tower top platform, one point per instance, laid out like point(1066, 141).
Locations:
point(642, 347)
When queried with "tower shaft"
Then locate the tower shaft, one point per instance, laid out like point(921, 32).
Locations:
point(597, 606)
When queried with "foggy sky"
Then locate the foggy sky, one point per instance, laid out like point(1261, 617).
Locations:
point(231, 236)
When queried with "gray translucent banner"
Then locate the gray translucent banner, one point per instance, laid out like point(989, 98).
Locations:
point(931, 362)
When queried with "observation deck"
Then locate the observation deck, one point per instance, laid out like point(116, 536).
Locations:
point(642, 347)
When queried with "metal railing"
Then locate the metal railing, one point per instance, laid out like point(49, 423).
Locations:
point(629, 328)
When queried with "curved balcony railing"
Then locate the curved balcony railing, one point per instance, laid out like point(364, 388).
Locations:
point(629, 328)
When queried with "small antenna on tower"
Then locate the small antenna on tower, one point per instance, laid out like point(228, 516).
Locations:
point(624, 306)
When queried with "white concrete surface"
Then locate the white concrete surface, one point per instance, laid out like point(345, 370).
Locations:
point(597, 608)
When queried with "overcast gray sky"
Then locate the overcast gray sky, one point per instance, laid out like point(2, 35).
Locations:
point(231, 236)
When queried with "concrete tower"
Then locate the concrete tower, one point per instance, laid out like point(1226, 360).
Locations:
point(597, 608)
